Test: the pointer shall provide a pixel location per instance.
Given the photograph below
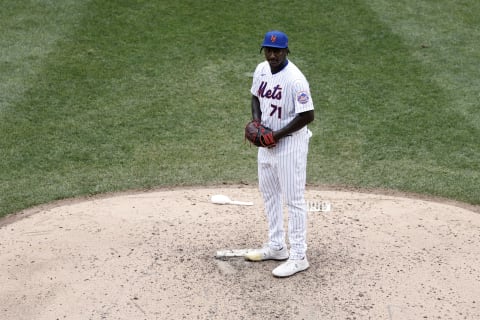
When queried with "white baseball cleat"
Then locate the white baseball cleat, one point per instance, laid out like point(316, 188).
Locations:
point(266, 253)
point(291, 267)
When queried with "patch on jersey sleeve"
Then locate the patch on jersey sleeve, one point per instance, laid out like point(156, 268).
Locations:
point(302, 97)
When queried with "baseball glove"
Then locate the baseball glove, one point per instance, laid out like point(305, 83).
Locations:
point(259, 135)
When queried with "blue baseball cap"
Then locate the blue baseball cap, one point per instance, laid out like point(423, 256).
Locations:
point(275, 39)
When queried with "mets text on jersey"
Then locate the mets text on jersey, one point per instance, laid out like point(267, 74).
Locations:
point(275, 94)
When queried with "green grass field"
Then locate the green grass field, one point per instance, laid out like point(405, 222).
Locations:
point(101, 96)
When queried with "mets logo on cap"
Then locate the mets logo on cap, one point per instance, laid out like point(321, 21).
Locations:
point(275, 39)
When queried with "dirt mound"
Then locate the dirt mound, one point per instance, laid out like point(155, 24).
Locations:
point(151, 256)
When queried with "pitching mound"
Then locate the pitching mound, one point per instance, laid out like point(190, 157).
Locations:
point(151, 256)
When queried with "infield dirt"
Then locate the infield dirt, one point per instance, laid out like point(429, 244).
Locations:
point(150, 255)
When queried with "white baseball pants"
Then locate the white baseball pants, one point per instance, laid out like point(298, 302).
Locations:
point(282, 178)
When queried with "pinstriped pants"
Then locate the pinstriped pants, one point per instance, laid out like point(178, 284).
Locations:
point(282, 178)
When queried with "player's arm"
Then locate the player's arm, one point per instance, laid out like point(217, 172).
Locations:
point(256, 111)
point(300, 121)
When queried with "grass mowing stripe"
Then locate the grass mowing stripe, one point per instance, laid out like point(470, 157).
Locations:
point(30, 30)
point(443, 36)
point(108, 97)
point(387, 123)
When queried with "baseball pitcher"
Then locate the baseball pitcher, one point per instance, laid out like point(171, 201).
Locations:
point(282, 107)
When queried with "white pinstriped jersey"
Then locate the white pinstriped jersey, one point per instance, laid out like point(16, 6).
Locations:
point(282, 169)
point(281, 95)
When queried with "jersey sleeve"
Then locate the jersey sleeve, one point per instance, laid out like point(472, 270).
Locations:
point(303, 98)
